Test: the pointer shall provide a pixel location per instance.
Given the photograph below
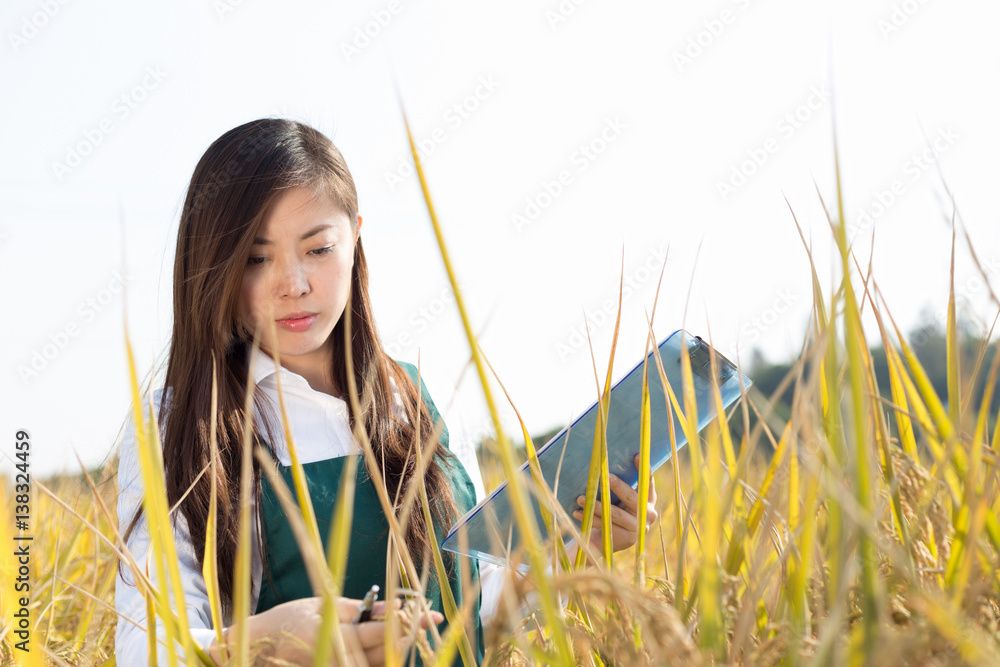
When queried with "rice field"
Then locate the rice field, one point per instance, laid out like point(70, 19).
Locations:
point(863, 529)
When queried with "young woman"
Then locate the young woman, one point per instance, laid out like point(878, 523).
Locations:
point(269, 244)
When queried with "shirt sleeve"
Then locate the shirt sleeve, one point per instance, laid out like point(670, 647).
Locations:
point(130, 636)
point(491, 580)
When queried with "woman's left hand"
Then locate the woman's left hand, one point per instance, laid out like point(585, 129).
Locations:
point(624, 527)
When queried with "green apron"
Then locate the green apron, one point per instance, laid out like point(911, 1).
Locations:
point(284, 576)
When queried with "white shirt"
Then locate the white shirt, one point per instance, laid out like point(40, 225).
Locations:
point(319, 424)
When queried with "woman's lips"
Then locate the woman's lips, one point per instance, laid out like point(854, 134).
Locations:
point(297, 323)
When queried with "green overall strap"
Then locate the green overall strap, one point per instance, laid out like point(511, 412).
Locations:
point(425, 397)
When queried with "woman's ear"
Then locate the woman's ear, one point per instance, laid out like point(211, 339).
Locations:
point(357, 230)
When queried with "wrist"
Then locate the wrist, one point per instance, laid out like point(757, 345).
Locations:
point(220, 653)
point(215, 649)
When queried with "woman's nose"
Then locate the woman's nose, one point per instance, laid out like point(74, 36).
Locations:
point(292, 280)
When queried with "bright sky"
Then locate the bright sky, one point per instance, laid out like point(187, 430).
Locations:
point(557, 136)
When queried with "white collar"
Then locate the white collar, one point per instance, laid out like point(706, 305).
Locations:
point(264, 367)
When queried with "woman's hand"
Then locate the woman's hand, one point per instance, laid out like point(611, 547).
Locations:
point(295, 625)
point(624, 527)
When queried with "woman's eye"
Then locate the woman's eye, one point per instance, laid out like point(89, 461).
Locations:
point(257, 261)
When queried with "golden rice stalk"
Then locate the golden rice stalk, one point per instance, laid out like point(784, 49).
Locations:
point(857, 369)
point(670, 399)
point(975, 509)
point(298, 473)
point(315, 566)
point(408, 571)
point(709, 614)
point(833, 431)
point(597, 479)
point(898, 392)
point(210, 570)
point(322, 579)
point(162, 547)
point(519, 500)
point(757, 510)
point(339, 538)
point(142, 581)
point(241, 578)
point(546, 496)
point(954, 388)
point(8, 573)
point(881, 435)
point(547, 499)
point(645, 435)
point(451, 610)
point(605, 408)
point(940, 425)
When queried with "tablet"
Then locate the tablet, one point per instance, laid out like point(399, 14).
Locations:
point(489, 532)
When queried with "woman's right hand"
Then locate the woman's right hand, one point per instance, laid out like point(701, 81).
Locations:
point(295, 625)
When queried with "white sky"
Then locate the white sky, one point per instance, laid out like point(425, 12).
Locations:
point(79, 77)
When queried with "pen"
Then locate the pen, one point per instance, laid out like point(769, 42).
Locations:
point(364, 613)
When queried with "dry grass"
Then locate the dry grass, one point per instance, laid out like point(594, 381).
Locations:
point(862, 530)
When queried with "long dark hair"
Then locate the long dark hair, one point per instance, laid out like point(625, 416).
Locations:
point(237, 180)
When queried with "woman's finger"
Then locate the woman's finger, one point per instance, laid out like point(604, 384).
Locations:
point(619, 516)
point(371, 640)
point(625, 516)
point(652, 489)
point(370, 633)
point(651, 514)
point(431, 618)
point(347, 608)
point(354, 644)
point(628, 496)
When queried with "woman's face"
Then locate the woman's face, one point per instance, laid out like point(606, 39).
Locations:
point(298, 276)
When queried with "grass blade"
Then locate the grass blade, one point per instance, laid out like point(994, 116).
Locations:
point(519, 500)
